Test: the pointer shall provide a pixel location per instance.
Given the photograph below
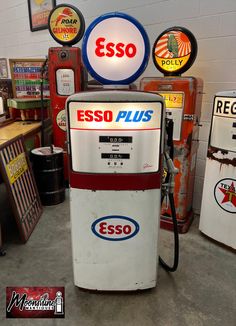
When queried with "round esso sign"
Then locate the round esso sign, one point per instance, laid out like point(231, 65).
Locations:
point(115, 228)
point(115, 49)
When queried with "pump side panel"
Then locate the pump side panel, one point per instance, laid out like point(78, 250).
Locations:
point(218, 211)
point(108, 264)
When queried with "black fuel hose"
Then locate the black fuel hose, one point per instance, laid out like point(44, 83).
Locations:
point(176, 239)
point(170, 144)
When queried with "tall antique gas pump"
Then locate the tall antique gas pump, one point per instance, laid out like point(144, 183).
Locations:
point(66, 25)
point(218, 219)
point(116, 139)
point(174, 52)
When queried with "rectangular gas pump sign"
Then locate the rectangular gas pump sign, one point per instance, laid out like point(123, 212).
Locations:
point(225, 107)
point(114, 116)
point(115, 137)
point(223, 133)
point(174, 110)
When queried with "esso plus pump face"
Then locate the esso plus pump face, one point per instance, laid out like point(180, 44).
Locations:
point(115, 155)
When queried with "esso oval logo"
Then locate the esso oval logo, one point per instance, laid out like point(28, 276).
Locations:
point(115, 49)
point(115, 228)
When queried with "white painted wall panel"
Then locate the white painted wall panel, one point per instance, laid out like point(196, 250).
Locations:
point(202, 150)
point(216, 6)
point(198, 193)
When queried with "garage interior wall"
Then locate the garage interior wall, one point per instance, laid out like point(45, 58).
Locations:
point(213, 22)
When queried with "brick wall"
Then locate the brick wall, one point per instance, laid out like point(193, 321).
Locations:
point(213, 22)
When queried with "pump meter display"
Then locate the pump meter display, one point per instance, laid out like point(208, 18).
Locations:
point(65, 81)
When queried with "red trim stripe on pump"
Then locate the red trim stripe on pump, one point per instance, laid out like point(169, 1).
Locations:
point(115, 181)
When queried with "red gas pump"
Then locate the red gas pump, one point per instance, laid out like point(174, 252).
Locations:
point(66, 73)
point(173, 53)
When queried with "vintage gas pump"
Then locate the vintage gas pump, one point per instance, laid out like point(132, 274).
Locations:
point(116, 139)
point(66, 25)
point(218, 219)
point(174, 52)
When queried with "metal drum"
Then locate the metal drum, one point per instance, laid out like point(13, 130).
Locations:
point(49, 174)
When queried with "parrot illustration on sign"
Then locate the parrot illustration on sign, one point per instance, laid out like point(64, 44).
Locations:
point(172, 45)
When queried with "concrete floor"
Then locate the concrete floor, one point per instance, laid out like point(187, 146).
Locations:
point(202, 291)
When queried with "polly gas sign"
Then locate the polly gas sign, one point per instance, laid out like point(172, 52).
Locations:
point(115, 49)
point(66, 24)
point(115, 116)
point(115, 228)
point(174, 51)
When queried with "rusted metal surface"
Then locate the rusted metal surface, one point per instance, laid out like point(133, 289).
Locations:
point(185, 150)
point(219, 156)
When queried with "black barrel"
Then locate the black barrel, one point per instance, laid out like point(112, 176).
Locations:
point(49, 176)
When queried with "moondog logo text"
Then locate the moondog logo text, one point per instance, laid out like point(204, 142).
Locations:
point(35, 302)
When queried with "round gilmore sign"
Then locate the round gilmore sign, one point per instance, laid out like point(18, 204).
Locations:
point(174, 51)
point(66, 24)
point(115, 49)
point(61, 119)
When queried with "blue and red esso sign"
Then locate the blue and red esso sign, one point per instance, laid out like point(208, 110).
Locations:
point(115, 228)
point(109, 116)
point(115, 115)
point(115, 49)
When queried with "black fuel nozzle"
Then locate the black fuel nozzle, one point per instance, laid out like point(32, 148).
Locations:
point(169, 140)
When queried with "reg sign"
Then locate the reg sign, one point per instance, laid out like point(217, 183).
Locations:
point(115, 49)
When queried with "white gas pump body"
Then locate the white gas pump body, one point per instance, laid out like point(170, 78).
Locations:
point(218, 210)
point(115, 195)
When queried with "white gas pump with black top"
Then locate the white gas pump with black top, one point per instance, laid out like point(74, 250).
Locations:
point(116, 142)
point(218, 210)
